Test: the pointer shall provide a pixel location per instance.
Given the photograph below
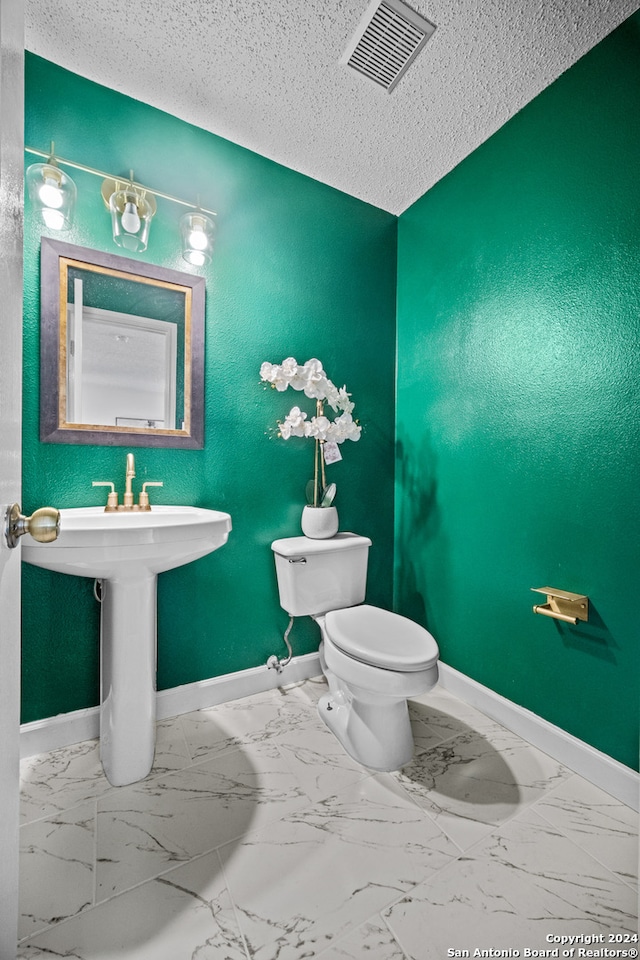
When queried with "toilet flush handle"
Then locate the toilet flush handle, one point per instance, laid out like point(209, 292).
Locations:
point(298, 560)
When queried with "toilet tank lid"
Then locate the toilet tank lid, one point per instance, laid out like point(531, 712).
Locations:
point(299, 546)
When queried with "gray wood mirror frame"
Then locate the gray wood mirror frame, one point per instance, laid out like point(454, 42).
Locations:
point(121, 350)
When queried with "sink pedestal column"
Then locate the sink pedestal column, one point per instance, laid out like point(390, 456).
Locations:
point(128, 678)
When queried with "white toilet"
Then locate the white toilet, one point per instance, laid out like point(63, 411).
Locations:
point(373, 659)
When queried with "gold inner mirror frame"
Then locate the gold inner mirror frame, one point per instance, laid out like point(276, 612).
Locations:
point(122, 350)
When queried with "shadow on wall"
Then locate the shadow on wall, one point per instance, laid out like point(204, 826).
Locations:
point(592, 637)
point(418, 528)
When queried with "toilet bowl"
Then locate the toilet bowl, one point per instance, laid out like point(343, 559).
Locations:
point(373, 659)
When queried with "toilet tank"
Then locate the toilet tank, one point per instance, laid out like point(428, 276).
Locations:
point(315, 576)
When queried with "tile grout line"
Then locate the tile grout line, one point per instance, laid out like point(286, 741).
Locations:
point(616, 876)
point(236, 912)
point(95, 853)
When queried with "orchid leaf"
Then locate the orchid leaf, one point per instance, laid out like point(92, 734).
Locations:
point(309, 490)
point(328, 495)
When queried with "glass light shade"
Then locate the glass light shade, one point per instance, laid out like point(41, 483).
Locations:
point(53, 193)
point(131, 215)
point(196, 231)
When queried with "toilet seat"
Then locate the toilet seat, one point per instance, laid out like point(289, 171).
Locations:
point(381, 638)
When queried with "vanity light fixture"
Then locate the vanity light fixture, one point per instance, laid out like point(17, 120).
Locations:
point(131, 208)
point(196, 230)
point(131, 205)
point(52, 192)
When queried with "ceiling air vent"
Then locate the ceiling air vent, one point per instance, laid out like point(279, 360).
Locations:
point(388, 38)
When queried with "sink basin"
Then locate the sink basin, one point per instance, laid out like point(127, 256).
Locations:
point(93, 543)
point(126, 551)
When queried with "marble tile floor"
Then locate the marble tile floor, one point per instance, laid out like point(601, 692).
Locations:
point(256, 837)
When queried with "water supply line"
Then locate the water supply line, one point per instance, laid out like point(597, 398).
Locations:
point(273, 662)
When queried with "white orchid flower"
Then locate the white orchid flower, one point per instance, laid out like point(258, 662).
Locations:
point(268, 371)
point(293, 373)
point(343, 402)
point(318, 428)
point(293, 424)
point(332, 396)
point(313, 379)
point(313, 370)
point(344, 428)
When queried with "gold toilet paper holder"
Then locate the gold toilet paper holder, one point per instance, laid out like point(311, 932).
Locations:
point(562, 605)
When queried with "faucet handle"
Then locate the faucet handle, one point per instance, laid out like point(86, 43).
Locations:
point(144, 496)
point(112, 499)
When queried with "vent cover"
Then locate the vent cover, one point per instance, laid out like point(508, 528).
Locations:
point(388, 38)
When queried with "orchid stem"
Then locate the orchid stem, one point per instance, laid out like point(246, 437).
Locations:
point(320, 456)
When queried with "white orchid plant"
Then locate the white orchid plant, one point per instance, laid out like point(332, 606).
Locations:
point(311, 379)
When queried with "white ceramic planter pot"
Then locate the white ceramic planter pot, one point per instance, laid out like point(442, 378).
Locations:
point(319, 523)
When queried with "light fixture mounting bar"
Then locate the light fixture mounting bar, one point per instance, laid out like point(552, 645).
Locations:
point(109, 176)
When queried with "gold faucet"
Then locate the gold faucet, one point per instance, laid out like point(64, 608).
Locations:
point(129, 475)
point(128, 504)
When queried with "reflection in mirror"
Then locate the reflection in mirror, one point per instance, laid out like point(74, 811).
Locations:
point(122, 369)
point(121, 350)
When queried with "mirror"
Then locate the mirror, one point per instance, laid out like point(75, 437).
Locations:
point(121, 350)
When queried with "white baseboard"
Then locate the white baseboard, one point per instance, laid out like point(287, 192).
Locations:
point(615, 778)
point(234, 686)
point(40, 736)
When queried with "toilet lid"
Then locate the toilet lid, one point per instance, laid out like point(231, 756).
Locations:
point(381, 638)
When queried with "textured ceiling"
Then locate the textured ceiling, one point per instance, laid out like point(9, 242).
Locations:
point(266, 74)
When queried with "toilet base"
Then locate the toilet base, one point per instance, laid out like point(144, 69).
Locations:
point(377, 735)
point(366, 707)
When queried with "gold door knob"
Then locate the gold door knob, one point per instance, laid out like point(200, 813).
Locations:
point(43, 525)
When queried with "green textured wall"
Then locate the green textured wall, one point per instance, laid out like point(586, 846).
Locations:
point(518, 395)
point(299, 269)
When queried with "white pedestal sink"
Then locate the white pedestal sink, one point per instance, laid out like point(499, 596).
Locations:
point(127, 550)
